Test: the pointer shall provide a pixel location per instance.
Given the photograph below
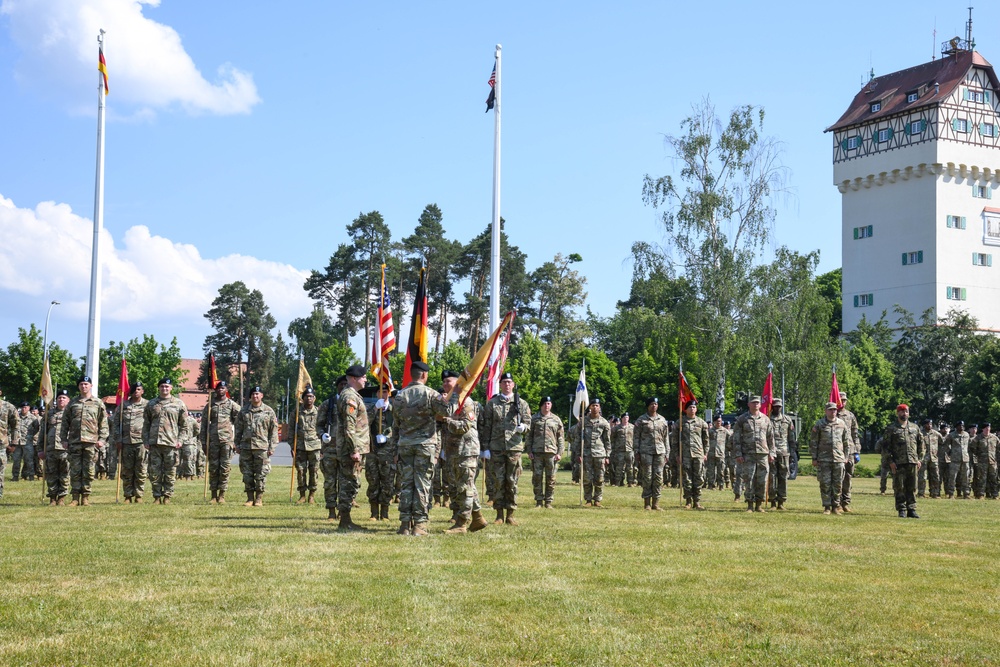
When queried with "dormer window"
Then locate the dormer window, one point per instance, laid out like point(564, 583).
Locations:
point(876, 106)
point(912, 97)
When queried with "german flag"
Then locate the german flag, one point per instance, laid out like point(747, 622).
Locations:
point(416, 346)
point(102, 66)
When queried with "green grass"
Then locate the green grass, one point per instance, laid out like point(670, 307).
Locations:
point(194, 584)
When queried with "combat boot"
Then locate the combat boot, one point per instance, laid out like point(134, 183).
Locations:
point(374, 516)
point(311, 500)
point(597, 503)
point(736, 496)
point(911, 514)
point(655, 505)
point(346, 525)
point(136, 499)
point(332, 515)
point(478, 521)
point(384, 513)
point(85, 500)
point(258, 499)
point(76, 500)
point(213, 500)
point(302, 498)
point(52, 502)
point(404, 528)
point(687, 503)
point(846, 508)
point(827, 510)
point(165, 500)
point(510, 518)
point(750, 507)
point(781, 505)
point(698, 505)
point(249, 502)
point(459, 528)
point(538, 504)
point(499, 520)
point(437, 501)
point(420, 529)
point(548, 504)
point(445, 501)
point(61, 501)
point(221, 498)
point(837, 510)
point(759, 507)
point(645, 504)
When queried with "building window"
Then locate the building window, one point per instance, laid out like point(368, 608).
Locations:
point(863, 300)
point(884, 135)
point(916, 127)
point(863, 232)
point(853, 142)
point(982, 191)
point(955, 293)
point(960, 125)
point(991, 230)
point(987, 129)
point(876, 107)
point(956, 222)
point(982, 259)
point(915, 257)
point(912, 97)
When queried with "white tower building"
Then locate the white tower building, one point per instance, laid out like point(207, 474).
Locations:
point(916, 158)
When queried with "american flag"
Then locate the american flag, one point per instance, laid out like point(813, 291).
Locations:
point(385, 338)
point(497, 361)
point(493, 89)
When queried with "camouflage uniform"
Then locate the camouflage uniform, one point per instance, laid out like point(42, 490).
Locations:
point(307, 447)
point(652, 441)
point(754, 443)
point(903, 445)
point(500, 423)
point(187, 465)
point(126, 438)
point(56, 456)
point(986, 454)
point(352, 438)
point(933, 440)
point(596, 450)
point(218, 427)
point(851, 422)
point(23, 459)
point(326, 423)
point(100, 460)
point(784, 444)
point(460, 446)
point(544, 442)
point(414, 437)
point(8, 435)
point(692, 438)
point(574, 451)
point(623, 454)
point(671, 470)
point(380, 464)
point(84, 424)
point(828, 444)
point(164, 425)
point(734, 469)
point(715, 475)
point(256, 438)
point(957, 481)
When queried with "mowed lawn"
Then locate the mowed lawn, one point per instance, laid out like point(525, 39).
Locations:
point(197, 584)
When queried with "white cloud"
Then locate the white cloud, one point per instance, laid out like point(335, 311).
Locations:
point(148, 66)
point(46, 254)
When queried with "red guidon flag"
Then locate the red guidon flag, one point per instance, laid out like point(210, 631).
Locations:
point(835, 392)
point(767, 395)
point(684, 393)
point(123, 387)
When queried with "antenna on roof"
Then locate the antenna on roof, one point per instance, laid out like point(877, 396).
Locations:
point(934, 41)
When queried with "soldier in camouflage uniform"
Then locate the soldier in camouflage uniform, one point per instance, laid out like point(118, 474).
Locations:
point(903, 450)
point(671, 470)
point(933, 441)
point(326, 425)
point(187, 463)
point(957, 482)
point(596, 453)
point(853, 456)
point(353, 442)
point(126, 439)
point(944, 455)
point(734, 471)
point(218, 429)
point(55, 453)
point(652, 442)
point(574, 451)
point(414, 436)
point(84, 424)
point(23, 459)
point(506, 420)
point(754, 445)
point(256, 438)
point(164, 425)
point(544, 443)
point(100, 462)
point(9, 433)
point(784, 445)
point(986, 455)
point(380, 464)
point(460, 448)
point(828, 442)
point(715, 471)
point(307, 446)
point(623, 452)
point(692, 438)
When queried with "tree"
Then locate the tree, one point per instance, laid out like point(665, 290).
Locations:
point(829, 286)
point(427, 245)
point(311, 334)
point(21, 366)
point(243, 325)
point(867, 378)
point(148, 362)
point(603, 381)
point(334, 360)
point(980, 385)
point(559, 291)
point(718, 218)
point(534, 366)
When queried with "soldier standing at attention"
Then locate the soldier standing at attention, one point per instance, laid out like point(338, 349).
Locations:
point(754, 444)
point(828, 443)
point(380, 466)
point(850, 457)
point(220, 431)
point(187, 463)
point(671, 471)
point(944, 455)
point(8, 434)
point(734, 471)
point(932, 441)
point(545, 449)
point(84, 424)
point(784, 444)
point(903, 450)
point(164, 423)
point(620, 439)
point(986, 455)
point(626, 438)
point(326, 424)
point(957, 442)
point(505, 422)
point(460, 447)
point(54, 451)
point(715, 474)
point(256, 438)
point(652, 440)
point(23, 459)
point(574, 451)
point(596, 453)
point(307, 446)
point(414, 437)
point(692, 438)
point(126, 438)
point(353, 442)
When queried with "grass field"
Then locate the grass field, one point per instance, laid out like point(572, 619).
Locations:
point(195, 584)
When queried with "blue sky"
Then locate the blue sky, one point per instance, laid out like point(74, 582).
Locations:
point(243, 137)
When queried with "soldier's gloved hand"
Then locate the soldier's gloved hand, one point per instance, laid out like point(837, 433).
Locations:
point(857, 458)
point(381, 439)
point(325, 438)
point(485, 455)
point(380, 403)
point(521, 428)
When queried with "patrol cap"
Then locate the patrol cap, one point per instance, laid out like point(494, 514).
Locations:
point(308, 391)
point(507, 376)
point(544, 400)
point(777, 403)
point(62, 392)
point(595, 401)
point(831, 406)
point(902, 406)
point(356, 371)
point(688, 404)
point(450, 374)
point(753, 399)
point(84, 378)
point(651, 400)
point(843, 395)
point(419, 366)
point(256, 389)
point(165, 381)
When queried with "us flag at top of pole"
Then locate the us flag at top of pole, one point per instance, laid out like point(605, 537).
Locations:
point(493, 90)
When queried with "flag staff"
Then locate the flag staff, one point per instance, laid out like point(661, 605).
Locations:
point(579, 418)
point(495, 236)
point(207, 421)
point(295, 431)
point(94, 320)
point(118, 445)
point(680, 433)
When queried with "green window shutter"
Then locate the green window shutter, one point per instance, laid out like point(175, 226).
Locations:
point(989, 192)
point(871, 299)
point(870, 227)
point(906, 128)
point(889, 137)
point(975, 191)
point(975, 259)
point(843, 145)
point(965, 94)
point(904, 259)
point(920, 257)
point(855, 300)
point(989, 260)
point(923, 124)
point(948, 221)
point(981, 128)
point(963, 222)
point(988, 96)
point(947, 292)
point(963, 294)
point(954, 124)
point(855, 232)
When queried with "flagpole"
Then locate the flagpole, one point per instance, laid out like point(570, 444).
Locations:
point(495, 236)
point(583, 410)
point(45, 437)
point(94, 320)
point(118, 445)
point(208, 437)
point(680, 433)
point(295, 433)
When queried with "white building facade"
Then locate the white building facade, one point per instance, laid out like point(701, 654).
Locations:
point(916, 158)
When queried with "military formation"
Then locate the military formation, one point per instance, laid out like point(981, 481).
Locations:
point(419, 447)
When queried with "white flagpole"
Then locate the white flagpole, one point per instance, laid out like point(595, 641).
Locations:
point(94, 322)
point(495, 245)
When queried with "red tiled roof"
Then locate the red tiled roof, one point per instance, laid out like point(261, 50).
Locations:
point(946, 74)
